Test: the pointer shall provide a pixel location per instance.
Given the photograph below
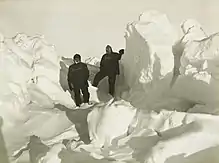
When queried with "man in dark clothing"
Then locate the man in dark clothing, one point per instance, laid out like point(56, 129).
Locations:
point(109, 67)
point(78, 75)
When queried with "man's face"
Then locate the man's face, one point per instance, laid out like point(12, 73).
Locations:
point(76, 60)
point(108, 50)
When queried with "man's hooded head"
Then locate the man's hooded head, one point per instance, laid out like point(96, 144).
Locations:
point(77, 58)
point(109, 49)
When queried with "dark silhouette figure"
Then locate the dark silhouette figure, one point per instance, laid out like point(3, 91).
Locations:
point(78, 75)
point(36, 149)
point(109, 67)
point(79, 118)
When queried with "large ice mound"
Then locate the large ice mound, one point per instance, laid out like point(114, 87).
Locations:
point(198, 69)
point(29, 71)
point(148, 56)
point(148, 47)
point(169, 70)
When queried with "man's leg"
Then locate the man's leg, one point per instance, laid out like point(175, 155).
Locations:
point(98, 77)
point(77, 96)
point(86, 94)
point(112, 81)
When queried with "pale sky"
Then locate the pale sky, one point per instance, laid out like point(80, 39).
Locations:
point(86, 26)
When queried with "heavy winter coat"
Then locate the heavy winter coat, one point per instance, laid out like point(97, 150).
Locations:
point(109, 63)
point(78, 75)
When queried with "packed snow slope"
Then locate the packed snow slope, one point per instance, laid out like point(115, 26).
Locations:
point(167, 115)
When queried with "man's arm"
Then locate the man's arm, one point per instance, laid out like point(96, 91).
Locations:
point(119, 56)
point(121, 52)
point(102, 60)
point(87, 73)
point(69, 79)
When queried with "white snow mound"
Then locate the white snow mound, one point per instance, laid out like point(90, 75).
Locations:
point(148, 57)
point(104, 121)
point(165, 69)
point(29, 78)
point(198, 70)
point(148, 47)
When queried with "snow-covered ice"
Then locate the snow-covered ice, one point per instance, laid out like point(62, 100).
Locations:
point(184, 70)
point(167, 111)
point(23, 98)
point(102, 130)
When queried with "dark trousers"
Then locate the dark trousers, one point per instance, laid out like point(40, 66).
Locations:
point(85, 93)
point(111, 79)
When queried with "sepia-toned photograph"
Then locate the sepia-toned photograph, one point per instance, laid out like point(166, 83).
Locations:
point(109, 81)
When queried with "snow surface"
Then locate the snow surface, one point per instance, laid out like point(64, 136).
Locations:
point(166, 113)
